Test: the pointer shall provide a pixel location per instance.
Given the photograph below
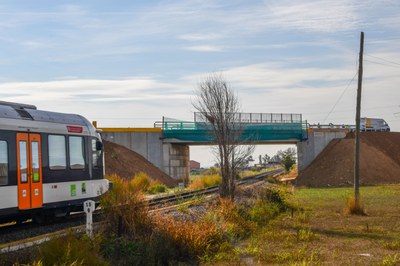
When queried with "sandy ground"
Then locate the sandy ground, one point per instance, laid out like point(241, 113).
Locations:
point(334, 166)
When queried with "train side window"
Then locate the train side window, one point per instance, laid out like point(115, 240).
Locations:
point(76, 149)
point(23, 161)
point(3, 162)
point(57, 152)
point(96, 153)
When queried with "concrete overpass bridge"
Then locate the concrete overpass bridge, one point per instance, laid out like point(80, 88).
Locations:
point(167, 144)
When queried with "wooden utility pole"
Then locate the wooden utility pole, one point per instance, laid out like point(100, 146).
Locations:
point(357, 137)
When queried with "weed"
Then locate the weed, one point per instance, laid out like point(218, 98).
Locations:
point(306, 235)
point(204, 236)
point(394, 245)
point(125, 211)
point(234, 219)
point(271, 180)
point(302, 217)
point(70, 250)
point(248, 173)
point(140, 182)
point(122, 251)
point(183, 207)
point(156, 188)
point(354, 207)
point(198, 199)
point(262, 212)
point(300, 256)
point(225, 253)
point(204, 181)
point(278, 196)
point(391, 260)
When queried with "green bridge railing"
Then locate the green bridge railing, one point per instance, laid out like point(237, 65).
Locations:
point(256, 128)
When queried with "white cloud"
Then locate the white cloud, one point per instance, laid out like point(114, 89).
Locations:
point(205, 48)
point(322, 16)
point(200, 37)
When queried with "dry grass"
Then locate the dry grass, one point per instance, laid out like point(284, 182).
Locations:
point(204, 236)
point(322, 233)
point(124, 209)
point(355, 207)
point(204, 181)
point(140, 182)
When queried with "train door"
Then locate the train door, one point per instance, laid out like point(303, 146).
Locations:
point(29, 170)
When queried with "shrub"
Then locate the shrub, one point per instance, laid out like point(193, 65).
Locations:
point(70, 250)
point(190, 239)
point(354, 207)
point(262, 212)
point(271, 180)
point(140, 182)
point(288, 161)
point(125, 211)
point(205, 181)
point(157, 188)
point(121, 251)
point(233, 219)
point(213, 171)
point(278, 196)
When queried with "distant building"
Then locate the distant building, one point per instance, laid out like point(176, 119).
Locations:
point(194, 165)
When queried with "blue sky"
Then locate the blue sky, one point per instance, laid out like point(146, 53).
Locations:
point(128, 63)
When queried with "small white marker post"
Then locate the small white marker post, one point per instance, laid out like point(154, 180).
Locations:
point(89, 207)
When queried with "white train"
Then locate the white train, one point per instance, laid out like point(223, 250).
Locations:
point(50, 163)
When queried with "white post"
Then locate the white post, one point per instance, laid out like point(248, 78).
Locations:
point(88, 207)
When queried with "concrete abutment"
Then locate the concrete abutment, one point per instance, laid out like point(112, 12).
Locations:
point(174, 158)
point(317, 140)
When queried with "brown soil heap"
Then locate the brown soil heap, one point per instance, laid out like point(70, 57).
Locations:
point(334, 166)
point(126, 163)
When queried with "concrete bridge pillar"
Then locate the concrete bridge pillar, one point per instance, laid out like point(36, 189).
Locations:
point(177, 161)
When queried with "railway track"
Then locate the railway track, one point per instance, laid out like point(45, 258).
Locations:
point(20, 236)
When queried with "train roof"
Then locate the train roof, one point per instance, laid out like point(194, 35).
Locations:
point(30, 112)
point(29, 115)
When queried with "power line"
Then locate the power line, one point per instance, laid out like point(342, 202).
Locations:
point(340, 97)
point(380, 63)
point(380, 58)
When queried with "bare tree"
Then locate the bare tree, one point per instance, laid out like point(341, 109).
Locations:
point(218, 106)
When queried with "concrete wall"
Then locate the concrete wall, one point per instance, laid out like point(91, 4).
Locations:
point(308, 150)
point(147, 144)
point(173, 159)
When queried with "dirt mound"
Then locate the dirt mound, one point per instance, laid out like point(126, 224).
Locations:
point(334, 166)
point(126, 163)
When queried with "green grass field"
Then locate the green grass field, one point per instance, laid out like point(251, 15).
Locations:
point(322, 234)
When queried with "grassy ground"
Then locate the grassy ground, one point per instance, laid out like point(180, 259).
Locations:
point(322, 234)
point(258, 229)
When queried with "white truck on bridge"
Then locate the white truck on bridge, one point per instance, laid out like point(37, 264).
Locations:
point(373, 124)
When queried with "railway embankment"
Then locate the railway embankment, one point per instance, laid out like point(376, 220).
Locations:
point(334, 166)
point(127, 163)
